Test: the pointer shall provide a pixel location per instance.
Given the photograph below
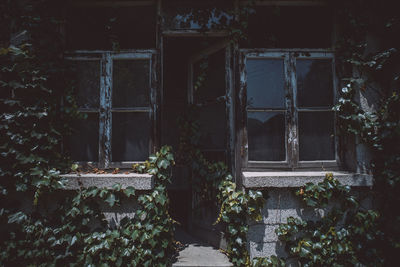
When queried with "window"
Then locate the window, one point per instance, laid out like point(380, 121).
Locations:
point(290, 122)
point(117, 93)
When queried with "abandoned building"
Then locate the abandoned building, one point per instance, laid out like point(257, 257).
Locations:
point(264, 102)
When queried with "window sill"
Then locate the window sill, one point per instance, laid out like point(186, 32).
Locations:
point(135, 180)
point(300, 178)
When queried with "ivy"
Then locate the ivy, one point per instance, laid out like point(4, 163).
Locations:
point(42, 223)
point(344, 236)
point(77, 232)
point(212, 181)
point(38, 106)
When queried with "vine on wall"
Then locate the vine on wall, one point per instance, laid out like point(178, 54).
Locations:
point(42, 224)
point(31, 127)
point(212, 182)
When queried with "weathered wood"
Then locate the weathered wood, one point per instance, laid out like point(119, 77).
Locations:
point(194, 33)
point(291, 110)
point(292, 144)
point(105, 124)
point(230, 107)
point(153, 104)
point(242, 101)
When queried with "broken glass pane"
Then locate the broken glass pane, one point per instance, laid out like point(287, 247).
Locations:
point(130, 136)
point(131, 83)
point(316, 136)
point(88, 83)
point(84, 142)
point(266, 136)
point(265, 83)
point(197, 14)
point(314, 83)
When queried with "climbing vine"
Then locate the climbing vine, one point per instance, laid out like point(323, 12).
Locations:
point(212, 181)
point(37, 104)
point(43, 224)
point(345, 234)
point(348, 234)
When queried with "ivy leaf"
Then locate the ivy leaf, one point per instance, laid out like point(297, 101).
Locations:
point(311, 202)
point(129, 191)
point(73, 240)
point(117, 187)
point(163, 164)
point(111, 199)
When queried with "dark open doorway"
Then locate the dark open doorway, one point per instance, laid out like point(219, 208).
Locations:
point(182, 57)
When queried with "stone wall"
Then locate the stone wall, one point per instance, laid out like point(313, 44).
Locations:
point(282, 204)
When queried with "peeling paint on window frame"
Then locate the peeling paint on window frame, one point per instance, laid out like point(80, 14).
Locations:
point(291, 118)
point(105, 106)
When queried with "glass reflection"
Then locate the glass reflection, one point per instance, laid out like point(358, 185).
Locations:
point(314, 83)
point(266, 136)
point(265, 83)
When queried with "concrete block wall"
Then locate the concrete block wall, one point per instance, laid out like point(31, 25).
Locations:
point(282, 204)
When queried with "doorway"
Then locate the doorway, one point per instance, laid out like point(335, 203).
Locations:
point(185, 59)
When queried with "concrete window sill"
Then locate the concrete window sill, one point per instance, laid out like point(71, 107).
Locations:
point(136, 180)
point(300, 178)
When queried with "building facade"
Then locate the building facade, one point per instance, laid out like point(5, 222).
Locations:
point(263, 78)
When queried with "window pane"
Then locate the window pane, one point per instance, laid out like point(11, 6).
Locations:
point(131, 83)
point(314, 83)
point(265, 83)
point(84, 142)
point(316, 136)
point(88, 83)
point(214, 83)
point(266, 136)
point(130, 136)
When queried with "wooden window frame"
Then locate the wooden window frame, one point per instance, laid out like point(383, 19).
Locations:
point(105, 109)
point(289, 57)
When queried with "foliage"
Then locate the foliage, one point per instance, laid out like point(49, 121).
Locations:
point(34, 82)
point(237, 206)
point(344, 236)
point(372, 68)
point(76, 232)
point(272, 261)
point(42, 224)
point(212, 181)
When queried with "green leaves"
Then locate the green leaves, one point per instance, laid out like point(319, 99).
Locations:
point(129, 191)
point(163, 164)
point(111, 199)
point(336, 239)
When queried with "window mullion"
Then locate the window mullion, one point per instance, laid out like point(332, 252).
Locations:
point(105, 111)
point(292, 145)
